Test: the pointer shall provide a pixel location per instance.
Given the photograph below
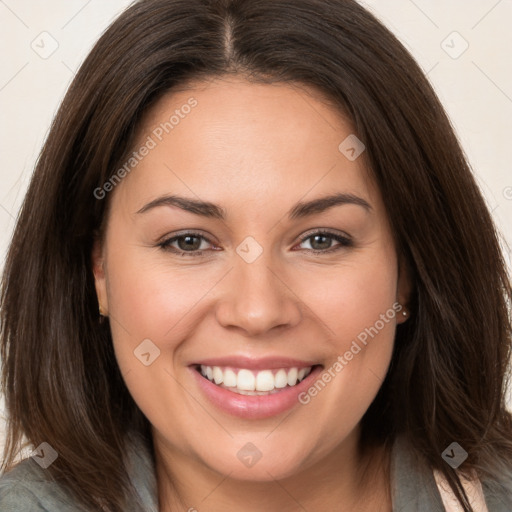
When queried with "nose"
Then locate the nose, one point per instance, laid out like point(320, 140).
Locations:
point(257, 299)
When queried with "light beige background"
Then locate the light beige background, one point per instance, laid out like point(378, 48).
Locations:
point(474, 83)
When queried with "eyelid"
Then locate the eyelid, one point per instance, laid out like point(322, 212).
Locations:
point(165, 241)
point(183, 233)
point(324, 231)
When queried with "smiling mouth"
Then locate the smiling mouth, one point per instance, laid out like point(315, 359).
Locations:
point(250, 382)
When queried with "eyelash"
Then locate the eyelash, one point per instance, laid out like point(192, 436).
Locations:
point(344, 243)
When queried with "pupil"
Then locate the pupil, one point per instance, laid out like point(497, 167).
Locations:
point(188, 244)
point(324, 237)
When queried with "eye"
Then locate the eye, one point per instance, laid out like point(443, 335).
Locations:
point(321, 241)
point(189, 243)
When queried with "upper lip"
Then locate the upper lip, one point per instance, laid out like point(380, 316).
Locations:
point(253, 363)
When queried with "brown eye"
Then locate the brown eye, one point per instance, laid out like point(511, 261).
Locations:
point(187, 243)
point(321, 241)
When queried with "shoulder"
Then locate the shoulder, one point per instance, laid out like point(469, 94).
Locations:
point(27, 488)
point(416, 486)
point(498, 492)
point(413, 485)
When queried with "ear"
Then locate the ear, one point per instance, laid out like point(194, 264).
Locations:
point(404, 290)
point(98, 268)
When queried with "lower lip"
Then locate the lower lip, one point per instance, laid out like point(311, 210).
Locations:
point(254, 406)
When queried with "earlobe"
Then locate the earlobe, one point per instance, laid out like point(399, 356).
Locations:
point(403, 315)
point(98, 268)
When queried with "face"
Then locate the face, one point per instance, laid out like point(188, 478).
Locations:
point(261, 288)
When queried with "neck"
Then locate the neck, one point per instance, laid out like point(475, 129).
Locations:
point(344, 477)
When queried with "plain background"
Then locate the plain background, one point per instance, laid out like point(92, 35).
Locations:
point(462, 45)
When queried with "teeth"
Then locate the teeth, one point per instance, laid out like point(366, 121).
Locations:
point(292, 376)
point(281, 379)
point(218, 377)
point(229, 378)
point(247, 382)
point(264, 381)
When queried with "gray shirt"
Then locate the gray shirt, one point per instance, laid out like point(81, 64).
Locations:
point(26, 488)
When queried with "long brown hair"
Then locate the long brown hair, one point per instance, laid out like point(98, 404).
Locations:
point(448, 374)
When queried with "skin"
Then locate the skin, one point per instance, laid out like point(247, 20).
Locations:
point(255, 150)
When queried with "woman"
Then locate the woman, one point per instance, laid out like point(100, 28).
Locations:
point(302, 300)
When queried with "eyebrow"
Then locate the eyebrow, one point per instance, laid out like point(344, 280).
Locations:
point(299, 210)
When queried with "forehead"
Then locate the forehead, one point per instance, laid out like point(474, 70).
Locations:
point(230, 139)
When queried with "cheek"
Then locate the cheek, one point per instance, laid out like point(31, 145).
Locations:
point(151, 298)
point(354, 297)
point(359, 307)
point(149, 301)
point(360, 312)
